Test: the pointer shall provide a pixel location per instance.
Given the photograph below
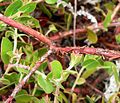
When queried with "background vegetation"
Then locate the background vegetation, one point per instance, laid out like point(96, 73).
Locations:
point(63, 51)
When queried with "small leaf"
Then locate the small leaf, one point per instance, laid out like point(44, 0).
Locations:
point(52, 28)
point(111, 69)
point(91, 66)
point(89, 100)
point(92, 37)
point(6, 46)
point(81, 81)
point(56, 69)
point(4, 81)
point(46, 85)
point(2, 26)
point(29, 21)
point(50, 1)
point(25, 98)
point(28, 8)
point(13, 8)
point(109, 5)
point(43, 66)
point(107, 20)
point(108, 67)
point(12, 77)
point(75, 59)
point(69, 20)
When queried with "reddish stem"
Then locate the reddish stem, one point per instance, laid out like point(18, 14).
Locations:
point(26, 29)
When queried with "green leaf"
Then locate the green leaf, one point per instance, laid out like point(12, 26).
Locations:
point(91, 66)
point(75, 59)
point(46, 85)
point(12, 77)
point(63, 97)
point(9, 33)
point(42, 67)
point(50, 1)
point(56, 69)
point(108, 67)
point(111, 69)
point(21, 92)
point(4, 81)
point(42, 100)
point(2, 26)
point(13, 8)
point(6, 46)
point(92, 37)
point(81, 81)
point(117, 38)
point(28, 8)
point(107, 20)
point(24, 98)
point(45, 10)
point(29, 21)
point(116, 74)
point(89, 100)
point(53, 28)
point(109, 5)
point(69, 20)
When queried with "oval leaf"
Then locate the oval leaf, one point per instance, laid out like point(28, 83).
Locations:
point(46, 85)
point(28, 8)
point(107, 20)
point(56, 69)
point(81, 81)
point(91, 66)
point(92, 37)
point(13, 8)
point(6, 46)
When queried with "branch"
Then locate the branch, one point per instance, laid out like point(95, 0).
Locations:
point(84, 50)
point(22, 83)
point(26, 29)
point(61, 35)
point(110, 54)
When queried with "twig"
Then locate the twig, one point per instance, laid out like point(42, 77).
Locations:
point(74, 23)
point(110, 54)
point(84, 50)
point(22, 83)
point(26, 29)
point(61, 35)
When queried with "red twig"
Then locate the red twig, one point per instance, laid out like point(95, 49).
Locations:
point(111, 54)
point(61, 35)
point(26, 29)
point(66, 33)
point(85, 50)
